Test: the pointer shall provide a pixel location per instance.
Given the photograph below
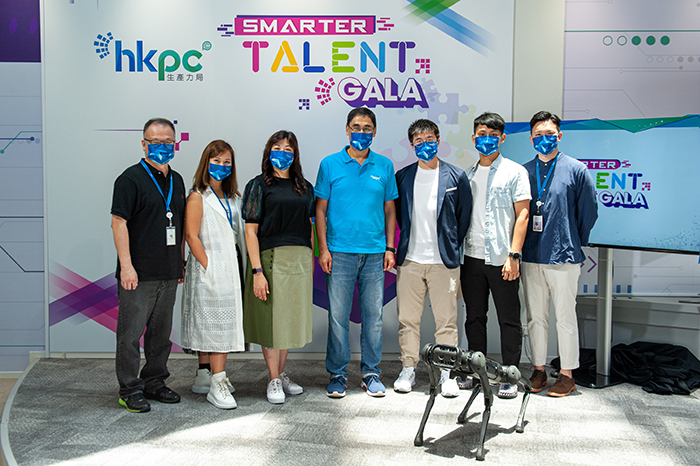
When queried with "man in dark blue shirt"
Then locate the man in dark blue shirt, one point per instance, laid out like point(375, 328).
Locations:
point(563, 210)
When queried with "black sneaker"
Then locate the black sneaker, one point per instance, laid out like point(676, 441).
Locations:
point(135, 403)
point(164, 395)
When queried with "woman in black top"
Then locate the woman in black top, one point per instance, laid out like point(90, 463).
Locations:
point(277, 307)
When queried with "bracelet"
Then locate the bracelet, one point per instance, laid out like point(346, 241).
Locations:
point(388, 249)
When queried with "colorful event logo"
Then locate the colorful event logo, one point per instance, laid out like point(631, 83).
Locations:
point(618, 189)
point(303, 25)
point(343, 57)
point(168, 62)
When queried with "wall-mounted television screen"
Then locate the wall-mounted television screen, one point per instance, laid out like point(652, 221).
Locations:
point(646, 173)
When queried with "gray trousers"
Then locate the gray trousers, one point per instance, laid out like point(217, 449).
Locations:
point(149, 307)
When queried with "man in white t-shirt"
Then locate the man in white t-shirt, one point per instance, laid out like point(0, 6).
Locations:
point(433, 210)
point(501, 191)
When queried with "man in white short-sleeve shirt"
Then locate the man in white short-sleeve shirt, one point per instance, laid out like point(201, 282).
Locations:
point(501, 192)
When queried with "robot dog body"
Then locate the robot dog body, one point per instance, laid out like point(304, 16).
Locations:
point(485, 371)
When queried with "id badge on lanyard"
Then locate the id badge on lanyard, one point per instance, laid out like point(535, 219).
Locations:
point(537, 223)
point(538, 219)
point(170, 232)
point(170, 236)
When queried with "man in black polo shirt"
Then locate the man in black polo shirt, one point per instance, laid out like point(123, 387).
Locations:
point(148, 212)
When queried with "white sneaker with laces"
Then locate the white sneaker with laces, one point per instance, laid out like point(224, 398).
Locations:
point(448, 386)
point(406, 380)
point(219, 395)
point(202, 381)
point(289, 387)
point(275, 393)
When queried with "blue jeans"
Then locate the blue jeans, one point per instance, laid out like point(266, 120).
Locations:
point(368, 270)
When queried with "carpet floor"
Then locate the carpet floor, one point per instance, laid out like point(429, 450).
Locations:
point(66, 412)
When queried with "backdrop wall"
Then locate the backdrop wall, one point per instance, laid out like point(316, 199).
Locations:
point(240, 73)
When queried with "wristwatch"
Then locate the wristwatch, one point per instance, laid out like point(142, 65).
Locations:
point(257, 271)
point(388, 249)
point(515, 255)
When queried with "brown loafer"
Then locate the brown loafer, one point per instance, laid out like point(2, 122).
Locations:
point(562, 387)
point(538, 380)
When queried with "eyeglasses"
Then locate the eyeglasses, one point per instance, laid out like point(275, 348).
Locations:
point(361, 129)
point(156, 141)
point(418, 141)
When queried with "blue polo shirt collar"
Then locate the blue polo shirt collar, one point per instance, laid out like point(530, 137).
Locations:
point(371, 157)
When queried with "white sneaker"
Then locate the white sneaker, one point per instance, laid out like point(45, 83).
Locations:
point(289, 387)
point(406, 380)
point(448, 386)
point(202, 381)
point(218, 394)
point(275, 393)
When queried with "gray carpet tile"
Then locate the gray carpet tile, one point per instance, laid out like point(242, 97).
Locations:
point(66, 412)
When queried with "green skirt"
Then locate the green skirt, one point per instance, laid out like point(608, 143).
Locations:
point(285, 320)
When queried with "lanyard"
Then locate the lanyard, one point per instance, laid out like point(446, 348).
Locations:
point(170, 194)
point(540, 187)
point(229, 214)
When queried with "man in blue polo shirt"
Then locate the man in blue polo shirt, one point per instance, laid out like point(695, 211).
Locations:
point(355, 224)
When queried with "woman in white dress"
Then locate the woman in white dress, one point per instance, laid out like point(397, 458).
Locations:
point(212, 309)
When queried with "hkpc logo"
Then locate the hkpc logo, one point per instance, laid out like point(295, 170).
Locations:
point(137, 59)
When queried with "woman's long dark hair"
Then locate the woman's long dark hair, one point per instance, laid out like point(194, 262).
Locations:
point(295, 173)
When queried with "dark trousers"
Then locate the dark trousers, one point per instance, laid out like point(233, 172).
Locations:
point(477, 280)
point(149, 307)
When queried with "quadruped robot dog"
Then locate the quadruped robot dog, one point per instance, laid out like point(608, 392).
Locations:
point(485, 371)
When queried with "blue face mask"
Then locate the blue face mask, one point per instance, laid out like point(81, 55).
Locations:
point(361, 141)
point(281, 160)
point(486, 145)
point(161, 153)
point(545, 144)
point(219, 172)
point(426, 151)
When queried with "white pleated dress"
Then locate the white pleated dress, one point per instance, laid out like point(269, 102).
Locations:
point(212, 306)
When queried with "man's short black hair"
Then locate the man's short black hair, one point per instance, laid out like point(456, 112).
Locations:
point(490, 120)
point(422, 126)
point(159, 122)
point(362, 111)
point(544, 115)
